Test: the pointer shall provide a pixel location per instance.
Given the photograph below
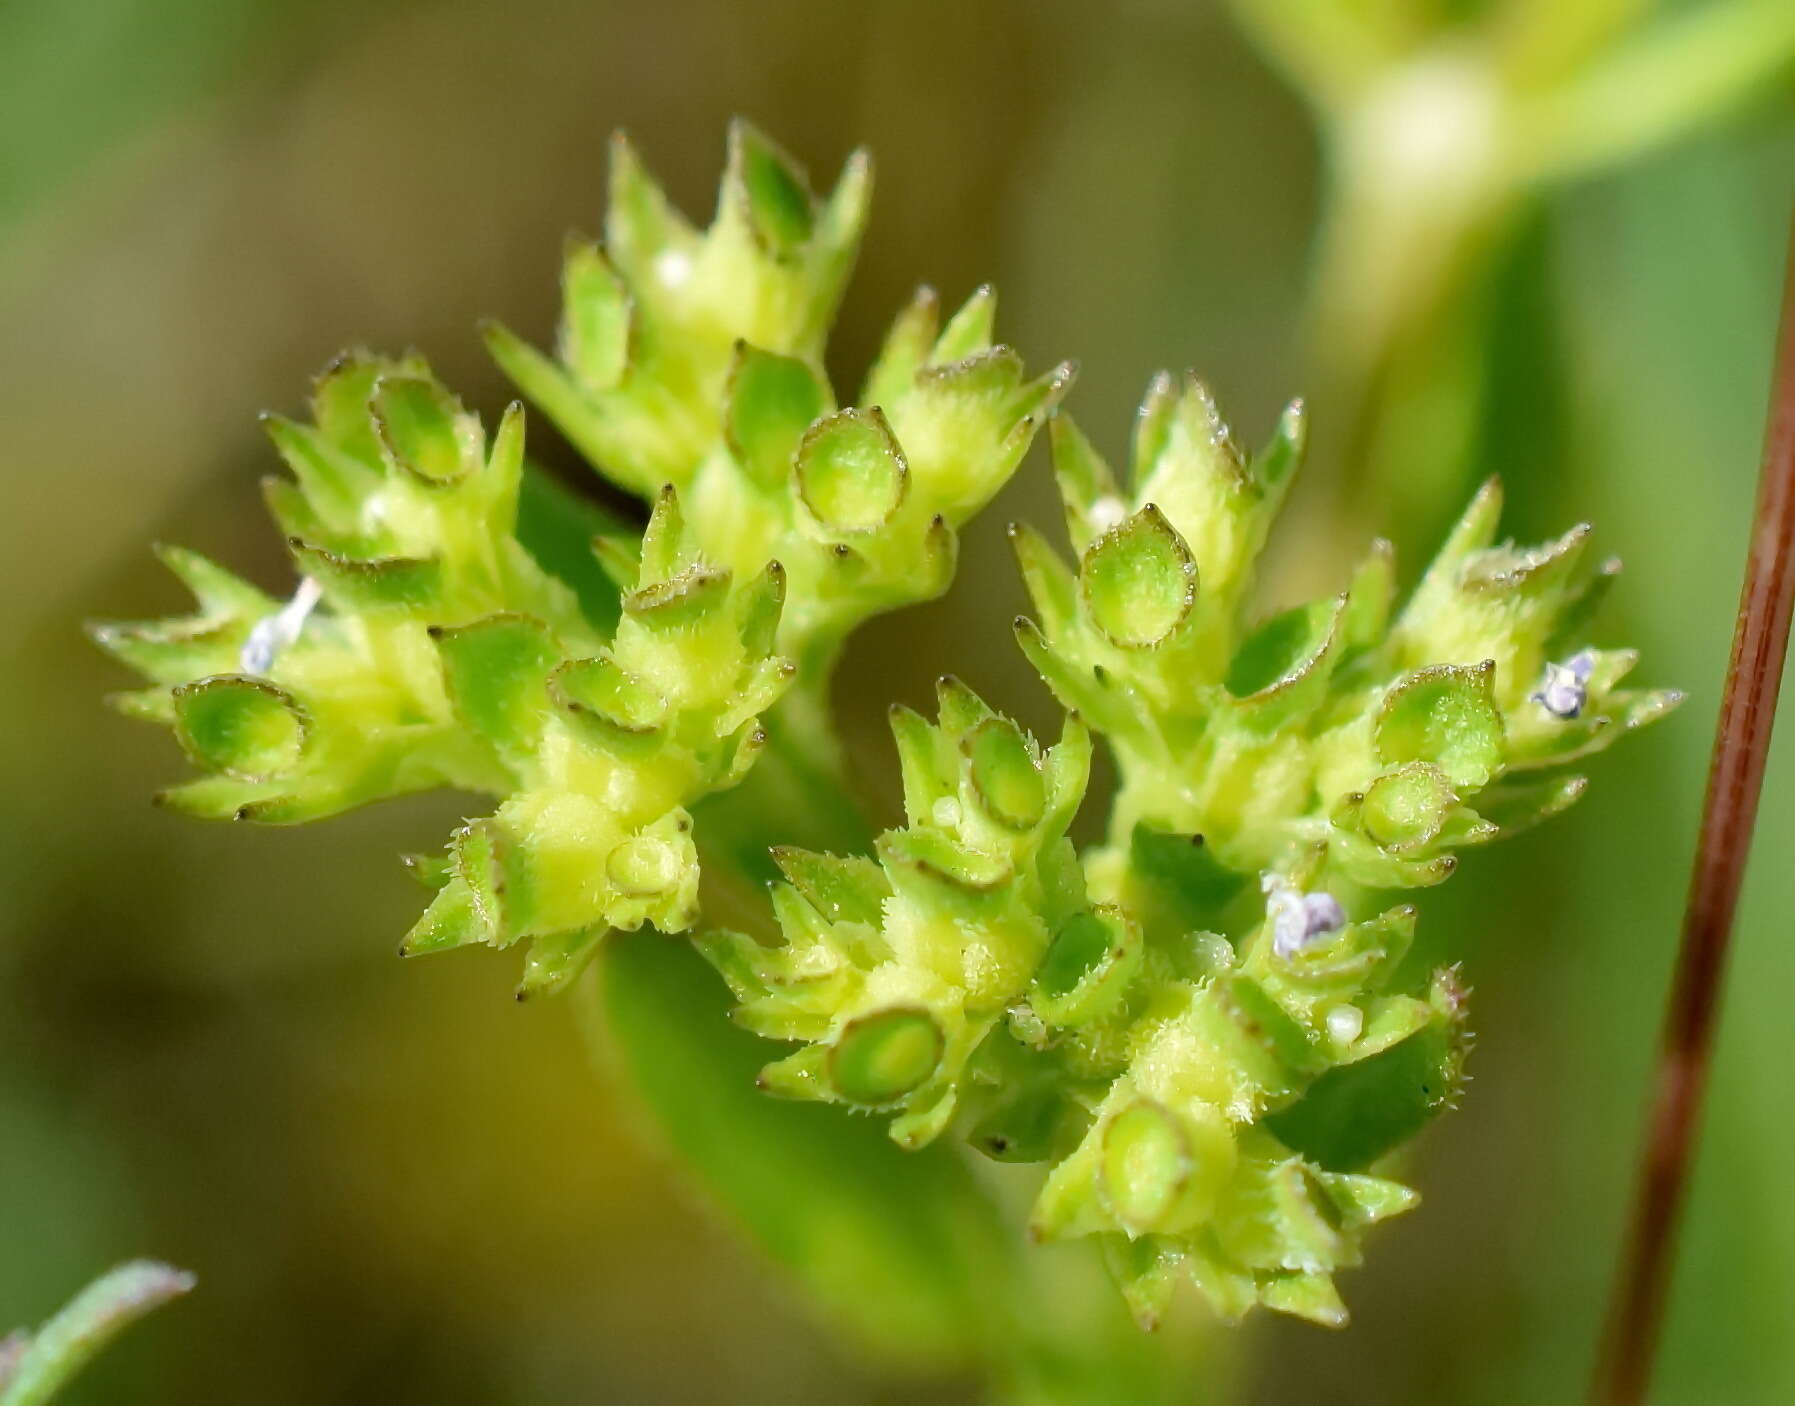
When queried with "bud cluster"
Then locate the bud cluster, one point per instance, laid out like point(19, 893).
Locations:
point(1207, 1028)
point(1393, 738)
point(1273, 778)
point(399, 517)
point(895, 971)
point(445, 655)
point(696, 360)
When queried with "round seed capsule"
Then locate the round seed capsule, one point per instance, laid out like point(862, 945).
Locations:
point(1406, 808)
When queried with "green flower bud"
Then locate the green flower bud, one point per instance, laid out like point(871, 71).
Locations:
point(610, 749)
point(246, 727)
point(850, 472)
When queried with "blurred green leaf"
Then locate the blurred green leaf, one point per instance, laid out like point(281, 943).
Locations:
point(559, 527)
point(904, 1249)
point(130, 60)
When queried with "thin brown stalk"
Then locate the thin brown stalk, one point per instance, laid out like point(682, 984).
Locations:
point(1735, 780)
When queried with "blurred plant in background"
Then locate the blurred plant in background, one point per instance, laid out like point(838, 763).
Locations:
point(230, 1015)
point(35, 1366)
point(1444, 125)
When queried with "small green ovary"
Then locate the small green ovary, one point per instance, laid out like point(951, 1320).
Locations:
point(644, 866)
point(1407, 807)
point(1445, 714)
point(1139, 581)
point(851, 474)
point(880, 1058)
point(246, 727)
point(1005, 776)
point(1145, 1162)
point(1159, 1171)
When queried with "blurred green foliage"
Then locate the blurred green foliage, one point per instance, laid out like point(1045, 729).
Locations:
point(398, 1188)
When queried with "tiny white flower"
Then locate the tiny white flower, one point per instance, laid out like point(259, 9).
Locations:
point(1346, 1023)
point(275, 632)
point(1564, 691)
point(1107, 512)
point(1299, 918)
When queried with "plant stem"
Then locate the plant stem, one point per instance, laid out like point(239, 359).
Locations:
point(91, 1320)
point(1735, 781)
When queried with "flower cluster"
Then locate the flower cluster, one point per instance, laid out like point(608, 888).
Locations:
point(696, 360)
point(446, 655)
point(1207, 1027)
point(895, 973)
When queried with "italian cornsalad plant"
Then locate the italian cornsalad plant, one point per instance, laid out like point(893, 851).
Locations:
point(1207, 1035)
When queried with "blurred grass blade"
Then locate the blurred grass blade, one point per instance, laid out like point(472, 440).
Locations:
point(1694, 67)
point(903, 1250)
point(64, 1345)
point(559, 527)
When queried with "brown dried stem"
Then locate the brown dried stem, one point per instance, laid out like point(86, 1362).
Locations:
point(1735, 780)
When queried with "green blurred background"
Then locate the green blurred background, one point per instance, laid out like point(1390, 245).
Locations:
point(399, 1187)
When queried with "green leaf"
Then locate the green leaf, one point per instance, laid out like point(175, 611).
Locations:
point(422, 431)
point(1355, 1113)
point(597, 319)
point(1184, 875)
point(496, 670)
point(905, 351)
point(371, 584)
point(772, 190)
point(903, 1249)
point(968, 331)
point(842, 888)
point(1004, 774)
point(1086, 971)
point(559, 528)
